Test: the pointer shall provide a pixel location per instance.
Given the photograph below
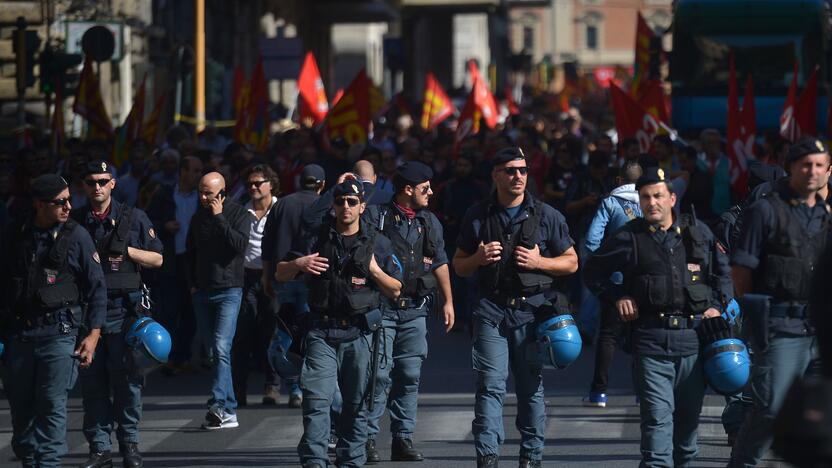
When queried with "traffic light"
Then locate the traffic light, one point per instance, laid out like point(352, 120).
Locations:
point(54, 71)
point(25, 44)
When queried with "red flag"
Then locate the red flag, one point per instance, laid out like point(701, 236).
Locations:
point(737, 145)
point(806, 110)
point(641, 72)
point(654, 101)
point(350, 116)
point(89, 103)
point(437, 106)
point(482, 96)
point(510, 104)
point(631, 120)
point(258, 136)
point(313, 103)
point(57, 139)
point(789, 128)
point(469, 120)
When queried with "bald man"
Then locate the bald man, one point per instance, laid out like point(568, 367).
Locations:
point(216, 242)
point(366, 172)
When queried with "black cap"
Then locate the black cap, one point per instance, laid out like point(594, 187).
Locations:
point(505, 155)
point(96, 167)
point(650, 176)
point(415, 172)
point(312, 172)
point(804, 147)
point(48, 186)
point(348, 187)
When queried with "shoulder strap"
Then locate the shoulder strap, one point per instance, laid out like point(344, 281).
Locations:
point(60, 249)
point(120, 236)
point(531, 225)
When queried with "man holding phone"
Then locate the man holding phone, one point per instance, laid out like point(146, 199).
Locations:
point(217, 240)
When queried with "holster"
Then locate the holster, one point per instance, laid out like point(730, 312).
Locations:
point(370, 321)
point(756, 311)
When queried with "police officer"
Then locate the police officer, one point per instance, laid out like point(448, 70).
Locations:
point(126, 243)
point(674, 275)
point(516, 245)
point(348, 266)
point(50, 270)
point(782, 237)
point(417, 239)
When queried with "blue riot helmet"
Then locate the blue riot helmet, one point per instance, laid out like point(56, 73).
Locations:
point(149, 345)
point(560, 341)
point(727, 365)
point(732, 312)
point(284, 363)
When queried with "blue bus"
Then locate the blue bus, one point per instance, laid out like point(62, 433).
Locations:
point(766, 36)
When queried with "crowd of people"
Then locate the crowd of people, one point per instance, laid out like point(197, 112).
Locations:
point(229, 241)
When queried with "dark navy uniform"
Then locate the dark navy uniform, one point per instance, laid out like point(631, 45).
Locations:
point(344, 309)
point(674, 276)
point(781, 241)
point(504, 312)
point(419, 245)
point(111, 393)
point(49, 276)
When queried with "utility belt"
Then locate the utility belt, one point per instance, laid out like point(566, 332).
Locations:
point(517, 302)
point(798, 310)
point(671, 321)
point(367, 322)
point(71, 316)
point(404, 303)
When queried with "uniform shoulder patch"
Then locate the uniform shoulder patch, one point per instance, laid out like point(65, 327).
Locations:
point(152, 233)
point(96, 257)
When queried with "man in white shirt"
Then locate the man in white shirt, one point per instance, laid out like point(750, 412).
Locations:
point(256, 322)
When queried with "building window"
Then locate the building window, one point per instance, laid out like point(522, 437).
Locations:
point(528, 38)
point(592, 37)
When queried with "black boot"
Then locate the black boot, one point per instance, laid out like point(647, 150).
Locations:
point(131, 456)
point(487, 461)
point(526, 463)
point(98, 460)
point(372, 453)
point(402, 450)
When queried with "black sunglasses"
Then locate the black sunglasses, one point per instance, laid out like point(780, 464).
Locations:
point(59, 202)
point(350, 201)
point(515, 170)
point(256, 183)
point(98, 182)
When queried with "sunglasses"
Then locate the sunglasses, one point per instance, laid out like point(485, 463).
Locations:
point(516, 170)
point(256, 183)
point(424, 190)
point(350, 201)
point(59, 202)
point(98, 182)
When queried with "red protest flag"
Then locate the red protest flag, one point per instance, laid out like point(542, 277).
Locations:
point(242, 96)
point(313, 103)
point(350, 117)
point(258, 136)
point(482, 96)
point(789, 128)
point(631, 120)
point(654, 100)
point(437, 105)
point(89, 104)
point(469, 121)
point(641, 64)
point(806, 110)
point(512, 107)
point(737, 163)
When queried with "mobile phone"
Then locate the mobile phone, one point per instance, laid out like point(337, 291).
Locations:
point(221, 194)
point(76, 356)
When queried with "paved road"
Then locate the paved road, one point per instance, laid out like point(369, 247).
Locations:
point(575, 436)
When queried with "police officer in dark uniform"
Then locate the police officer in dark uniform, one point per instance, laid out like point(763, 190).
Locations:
point(675, 275)
point(516, 245)
point(782, 237)
point(51, 270)
point(126, 243)
point(348, 265)
point(417, 239)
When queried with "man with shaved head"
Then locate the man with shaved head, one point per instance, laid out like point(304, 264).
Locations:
point(217, 240)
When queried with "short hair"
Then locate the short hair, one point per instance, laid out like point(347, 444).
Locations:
point(631, 172)
point(267, 172)
point(399, 183)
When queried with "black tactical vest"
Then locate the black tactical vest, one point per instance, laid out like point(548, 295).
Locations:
point(417, 260)
point(787, 268)
point(121, 274)
point(674, 282)
point(42, 283)
point(505, 277)
point(344, 287)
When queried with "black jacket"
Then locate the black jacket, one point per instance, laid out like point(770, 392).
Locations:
point(216, 245)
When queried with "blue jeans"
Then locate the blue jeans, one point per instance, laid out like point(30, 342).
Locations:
point(397, 385)
point(40, 374)
point(496, 350)
point(786, 359)
point(670, 390)
point(326, 367)
point(110, 396)
point(216, 318)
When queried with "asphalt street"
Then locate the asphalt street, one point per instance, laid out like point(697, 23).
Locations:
point(174, 408)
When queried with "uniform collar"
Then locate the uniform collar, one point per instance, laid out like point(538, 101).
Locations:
point(791, 197)
point(112, 212)
point(495, 206)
